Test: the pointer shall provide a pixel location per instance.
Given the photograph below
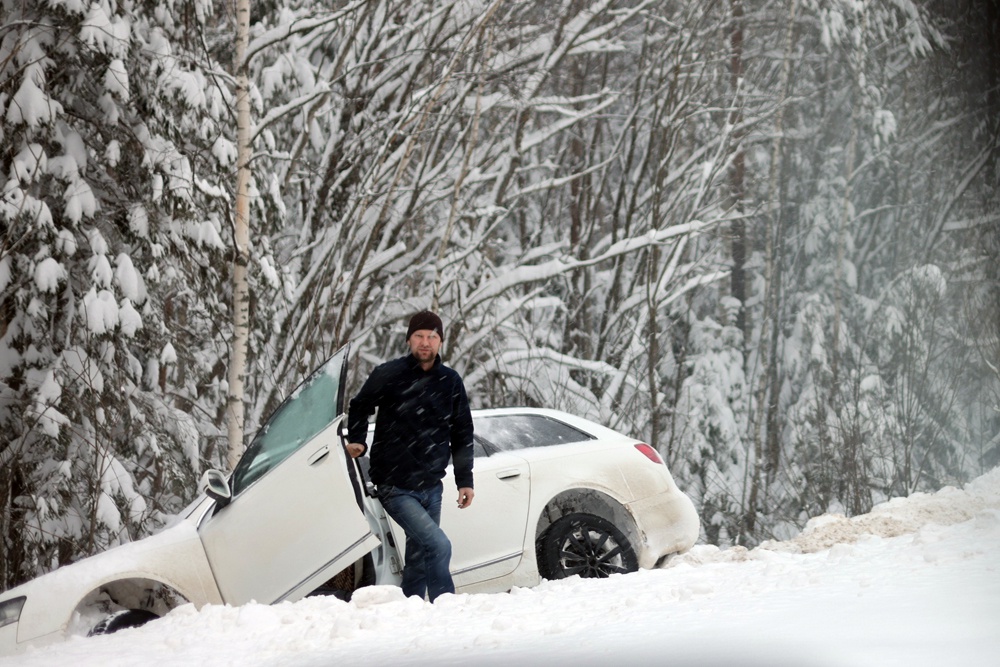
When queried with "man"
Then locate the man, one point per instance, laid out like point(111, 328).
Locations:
point(423, 420)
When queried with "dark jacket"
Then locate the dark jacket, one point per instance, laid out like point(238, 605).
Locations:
point(423, 420)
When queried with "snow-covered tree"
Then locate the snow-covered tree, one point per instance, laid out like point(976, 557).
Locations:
point(759, 235)
point(115, 208)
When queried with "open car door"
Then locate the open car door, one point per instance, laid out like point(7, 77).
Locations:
point(293, 519)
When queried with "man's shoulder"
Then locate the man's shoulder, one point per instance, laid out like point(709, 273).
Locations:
point(449, 372)
point(387, 371)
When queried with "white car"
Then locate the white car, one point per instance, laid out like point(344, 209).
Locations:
point(556, 496)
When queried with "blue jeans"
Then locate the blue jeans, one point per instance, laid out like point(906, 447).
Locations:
point(428, 550)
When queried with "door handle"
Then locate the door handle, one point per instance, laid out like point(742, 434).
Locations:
point(509, 474)
point(319, 455)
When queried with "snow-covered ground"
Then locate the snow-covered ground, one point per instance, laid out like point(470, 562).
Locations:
point(915, 582)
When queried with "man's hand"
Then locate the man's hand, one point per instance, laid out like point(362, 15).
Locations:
point(355, 449)
point(465, 496)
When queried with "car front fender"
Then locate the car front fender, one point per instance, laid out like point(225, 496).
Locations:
point(173, 558)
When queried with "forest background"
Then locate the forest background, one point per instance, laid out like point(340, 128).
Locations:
point(762, 235)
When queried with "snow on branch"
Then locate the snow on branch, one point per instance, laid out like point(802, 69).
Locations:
point(573, 117)
point(523, 275)
point(298, 26)
point(278, 112)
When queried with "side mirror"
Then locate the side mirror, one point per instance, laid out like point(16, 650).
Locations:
point(213, 483)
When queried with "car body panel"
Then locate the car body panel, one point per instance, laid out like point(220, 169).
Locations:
point(484, 548)
point(296, 513)
point(265, 546)
point(649, 507)
point(173, 557)
point(294, 474)
point(667, 524)
point(8, 635)
point(292, 520)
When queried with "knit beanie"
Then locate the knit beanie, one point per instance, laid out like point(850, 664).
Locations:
point(425, 319)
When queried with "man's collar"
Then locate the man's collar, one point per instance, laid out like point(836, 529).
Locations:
point(414, 363)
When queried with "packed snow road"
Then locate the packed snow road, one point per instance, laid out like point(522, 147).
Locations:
point(915, 582)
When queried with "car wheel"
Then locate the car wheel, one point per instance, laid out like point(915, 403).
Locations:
point(127, 618)
point(584, 545)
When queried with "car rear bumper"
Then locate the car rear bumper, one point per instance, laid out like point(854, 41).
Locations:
point(667, 523)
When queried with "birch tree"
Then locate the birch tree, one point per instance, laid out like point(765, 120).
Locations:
point(569, 184)
point(110, 222)
point(241, 239)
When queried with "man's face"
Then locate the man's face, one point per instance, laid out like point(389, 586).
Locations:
point(424, 344)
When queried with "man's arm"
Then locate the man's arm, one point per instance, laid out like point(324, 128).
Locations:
point(361, 407)
point(462, 452)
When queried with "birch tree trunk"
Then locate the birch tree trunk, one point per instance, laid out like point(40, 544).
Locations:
point(241, 233)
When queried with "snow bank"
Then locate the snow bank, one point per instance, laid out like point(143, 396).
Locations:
point(899, 516)
point(914, 583)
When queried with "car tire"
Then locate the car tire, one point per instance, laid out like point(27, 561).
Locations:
point(127, 618)
point(584, 545)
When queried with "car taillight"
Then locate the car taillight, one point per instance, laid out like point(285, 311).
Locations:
point(649, 452)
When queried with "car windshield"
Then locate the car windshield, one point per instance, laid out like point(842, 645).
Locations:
point(510, 432)
point(307, 411)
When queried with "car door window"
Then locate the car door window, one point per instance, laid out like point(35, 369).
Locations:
point(307, 411)
point(479, 447)
point(511, 432)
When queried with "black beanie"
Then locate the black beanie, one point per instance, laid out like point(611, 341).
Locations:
point(425, 319)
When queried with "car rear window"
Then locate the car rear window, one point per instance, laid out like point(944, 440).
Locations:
point(510, 432)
